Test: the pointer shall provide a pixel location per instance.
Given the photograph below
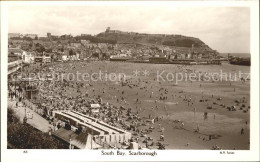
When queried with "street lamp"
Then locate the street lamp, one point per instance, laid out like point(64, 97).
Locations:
point(25, 118)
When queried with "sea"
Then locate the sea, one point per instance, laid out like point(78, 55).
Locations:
point(243, 55)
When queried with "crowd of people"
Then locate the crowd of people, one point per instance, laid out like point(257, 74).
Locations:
point(68, 95)
point(78, 96)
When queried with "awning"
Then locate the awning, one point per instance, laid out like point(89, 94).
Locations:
point(85, 142)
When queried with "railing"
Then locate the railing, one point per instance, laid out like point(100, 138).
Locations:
point(14, 69)
point(14, 63)
point(14, 66)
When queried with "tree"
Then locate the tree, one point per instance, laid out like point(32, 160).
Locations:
point(24, 136)
point(39, 48)
point(27, 38)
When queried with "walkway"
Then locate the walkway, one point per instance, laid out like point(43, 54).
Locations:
point(34, 119)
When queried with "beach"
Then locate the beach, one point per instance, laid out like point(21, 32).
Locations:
point(174, 103)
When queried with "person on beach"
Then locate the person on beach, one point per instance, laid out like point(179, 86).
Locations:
point(182, 125)
point(162, 129)
point(198, 128)
point(162, 137)
point(242, 131)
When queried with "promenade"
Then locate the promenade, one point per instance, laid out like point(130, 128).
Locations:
point(33, 118)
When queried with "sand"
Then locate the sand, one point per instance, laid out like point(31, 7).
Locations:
point(226, 126)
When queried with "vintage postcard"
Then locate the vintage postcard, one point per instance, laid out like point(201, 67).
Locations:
point(130, 81)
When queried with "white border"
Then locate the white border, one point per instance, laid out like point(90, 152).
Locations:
point(166, 155)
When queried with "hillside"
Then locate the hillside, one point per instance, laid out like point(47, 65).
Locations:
point(173, 41)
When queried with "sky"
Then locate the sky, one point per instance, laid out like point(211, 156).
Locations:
point(225, 29)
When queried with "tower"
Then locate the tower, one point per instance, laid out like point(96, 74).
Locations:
point(48, 35)
point(108, 29)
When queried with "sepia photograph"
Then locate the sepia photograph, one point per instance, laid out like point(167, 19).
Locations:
point(128, 79)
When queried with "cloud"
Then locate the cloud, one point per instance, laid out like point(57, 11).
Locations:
point(226, 29)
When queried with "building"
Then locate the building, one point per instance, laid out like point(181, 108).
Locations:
point(199, 56)
point(108, 29)
point(14, 62)
point(43, 37)
point(84, 35)
point(75, 44)
point(46, 59)
point(28, 57)
point(38, 59)
point(115, 58)
point(16, 51)
point(189, 56)
point(158, 59)
point(183, 56)
point(55, 37)
point(64, 58)
point(13, 35)
point(33, 36)
point(49, 35)
point(14, 65)
point(65, 36)
point(85, 42)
